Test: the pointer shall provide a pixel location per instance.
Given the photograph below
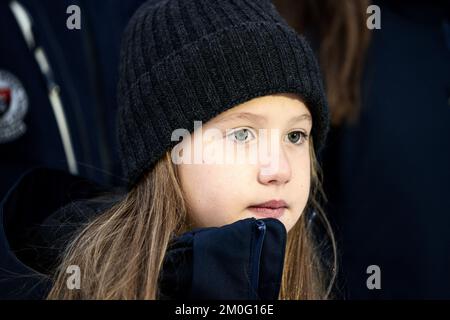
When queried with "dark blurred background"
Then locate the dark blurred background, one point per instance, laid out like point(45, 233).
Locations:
point(78, 134)
point(387, 162)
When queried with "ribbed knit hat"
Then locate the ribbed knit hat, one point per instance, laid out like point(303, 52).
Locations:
point(190, 60)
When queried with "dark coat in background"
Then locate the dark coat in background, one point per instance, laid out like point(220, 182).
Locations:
point(388, 177)
point(83, 66)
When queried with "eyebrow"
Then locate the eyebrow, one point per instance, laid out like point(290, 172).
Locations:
point(303, 117)
point(261, 119)
point(244, 116)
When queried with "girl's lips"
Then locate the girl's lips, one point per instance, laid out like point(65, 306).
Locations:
point(271, 204)
point(268, 212)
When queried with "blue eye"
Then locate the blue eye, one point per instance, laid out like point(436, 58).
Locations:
point(241, 135)
point(297, 137)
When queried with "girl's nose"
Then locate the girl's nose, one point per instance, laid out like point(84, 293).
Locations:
point(277, 170)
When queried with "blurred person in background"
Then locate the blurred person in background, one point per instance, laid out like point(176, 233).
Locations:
point(57, 87)
point(387, 162)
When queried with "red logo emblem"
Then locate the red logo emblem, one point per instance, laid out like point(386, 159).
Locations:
point(5, 99)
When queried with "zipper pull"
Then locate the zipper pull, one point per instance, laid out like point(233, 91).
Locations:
point(256, 257)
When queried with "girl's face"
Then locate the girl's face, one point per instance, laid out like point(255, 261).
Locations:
point(274, 164)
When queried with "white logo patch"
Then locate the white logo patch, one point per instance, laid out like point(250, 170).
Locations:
point(13, 107)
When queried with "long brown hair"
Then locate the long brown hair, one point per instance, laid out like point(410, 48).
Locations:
point(120, 253)
point(339, 27)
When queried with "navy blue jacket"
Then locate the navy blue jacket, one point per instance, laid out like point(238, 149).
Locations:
point(84, 66)
point(242, 260)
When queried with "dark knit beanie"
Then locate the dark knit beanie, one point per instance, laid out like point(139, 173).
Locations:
point(190, 60)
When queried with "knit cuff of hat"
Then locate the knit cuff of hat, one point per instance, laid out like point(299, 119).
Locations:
point(205, 78)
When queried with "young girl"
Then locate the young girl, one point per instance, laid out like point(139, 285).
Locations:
point(239, 70)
